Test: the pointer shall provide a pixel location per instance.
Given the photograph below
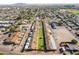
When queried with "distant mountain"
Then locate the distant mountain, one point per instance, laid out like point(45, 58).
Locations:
point(18, 4)
point(14, 5)
point(36, 5)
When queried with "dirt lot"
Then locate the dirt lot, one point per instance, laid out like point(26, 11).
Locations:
point(62, 35)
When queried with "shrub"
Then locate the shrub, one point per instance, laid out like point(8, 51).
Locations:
point(74, 41)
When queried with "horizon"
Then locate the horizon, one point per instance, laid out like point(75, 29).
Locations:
point(4, 2)
point(42, 4)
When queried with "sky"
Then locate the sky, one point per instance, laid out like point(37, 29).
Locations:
point(38, 1)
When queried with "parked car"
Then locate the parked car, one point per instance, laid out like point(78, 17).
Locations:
point(27, 45)
point(30, 34)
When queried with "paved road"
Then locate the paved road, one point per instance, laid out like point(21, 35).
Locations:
point(33, 45)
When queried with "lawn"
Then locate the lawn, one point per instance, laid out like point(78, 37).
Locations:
point(40, 36)
point(73, 11)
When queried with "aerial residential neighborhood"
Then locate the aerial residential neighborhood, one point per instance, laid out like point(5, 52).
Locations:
point(34, 30)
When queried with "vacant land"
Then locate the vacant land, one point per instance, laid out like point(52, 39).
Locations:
point(63, 35)
point(73, 11)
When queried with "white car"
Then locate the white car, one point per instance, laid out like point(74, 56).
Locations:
point(27, 45)
point(29, 39)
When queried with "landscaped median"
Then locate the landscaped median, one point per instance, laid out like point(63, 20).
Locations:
point(40, 36)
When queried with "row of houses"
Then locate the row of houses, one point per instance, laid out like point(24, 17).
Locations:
point(6, 23)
